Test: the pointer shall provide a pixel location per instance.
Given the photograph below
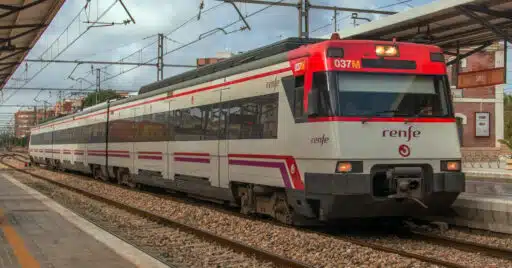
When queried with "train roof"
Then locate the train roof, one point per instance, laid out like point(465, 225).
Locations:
point(205, 71)
point(252, 55)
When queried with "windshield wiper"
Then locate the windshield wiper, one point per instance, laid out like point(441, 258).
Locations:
point(367, 118)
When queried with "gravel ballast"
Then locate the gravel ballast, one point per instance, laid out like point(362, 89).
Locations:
point(174, 247)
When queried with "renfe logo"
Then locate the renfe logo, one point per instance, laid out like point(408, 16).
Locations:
point(408, 134)
point(321, 140)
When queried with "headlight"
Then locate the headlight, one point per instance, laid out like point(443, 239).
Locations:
point(386, 51)
point(450, 165)
point(349, 167)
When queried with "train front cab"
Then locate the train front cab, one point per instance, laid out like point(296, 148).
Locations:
point(395, 139)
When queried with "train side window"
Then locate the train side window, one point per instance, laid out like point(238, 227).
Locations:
point(172, 115)
point(210, 120)
point(223, 120)
point(258, 117)
point(235, 118)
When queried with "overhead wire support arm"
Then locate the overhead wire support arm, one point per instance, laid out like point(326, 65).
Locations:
point(201, 6)
point(241, 15)
point(210, 32)
point(127, 12)
point(261, 2)
point(358, 10)
point(304, 7)
point(49, 52)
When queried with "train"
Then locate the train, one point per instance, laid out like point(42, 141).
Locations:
point(299, 130)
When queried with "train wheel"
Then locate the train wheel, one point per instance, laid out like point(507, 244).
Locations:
point(282, 210)
point(126, 179)
point(246, 200)
point(119, 176)
point(245, 208)
point(96, 173)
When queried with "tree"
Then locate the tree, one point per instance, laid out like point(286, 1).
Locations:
point(507, 103)
point(102, 96)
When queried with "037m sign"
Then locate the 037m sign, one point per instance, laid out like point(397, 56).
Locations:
point(344, 64)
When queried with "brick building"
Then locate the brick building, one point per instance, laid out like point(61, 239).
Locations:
point(25, 119)
point(218, 57)
point(479, 101)
point(68, 106)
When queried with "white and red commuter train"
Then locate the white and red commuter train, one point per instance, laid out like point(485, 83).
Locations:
point(300, 129)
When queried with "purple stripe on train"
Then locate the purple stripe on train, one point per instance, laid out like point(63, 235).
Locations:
point(280, 165)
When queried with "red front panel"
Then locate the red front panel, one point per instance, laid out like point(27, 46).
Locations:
point(356, 51)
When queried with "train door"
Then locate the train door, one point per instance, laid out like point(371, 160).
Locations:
point(223, 144)
point(169, 174)
point(136, 118)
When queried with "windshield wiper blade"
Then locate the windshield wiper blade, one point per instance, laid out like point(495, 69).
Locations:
point(367, 118)
point(385, 112)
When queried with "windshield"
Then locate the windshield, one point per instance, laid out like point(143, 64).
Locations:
point(377, 94)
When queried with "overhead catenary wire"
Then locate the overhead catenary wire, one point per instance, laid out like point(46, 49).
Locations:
point(69, 45)
point(197, 40)
point(190, 20)
point(402, 2)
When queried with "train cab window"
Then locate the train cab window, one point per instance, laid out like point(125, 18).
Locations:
point(321, 102)
point(298, 104)
point(294, 90)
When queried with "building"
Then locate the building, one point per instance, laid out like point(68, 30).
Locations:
point(68, 106)
point(478, 100)
point(23, 120)
point(26, 119)
point(219, 56)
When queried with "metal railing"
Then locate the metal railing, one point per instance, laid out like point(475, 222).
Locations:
point(483, 160)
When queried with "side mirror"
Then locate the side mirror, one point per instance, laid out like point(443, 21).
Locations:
point(313, 102)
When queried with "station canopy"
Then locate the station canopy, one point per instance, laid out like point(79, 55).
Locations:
point(22, 22)
point(450, 24)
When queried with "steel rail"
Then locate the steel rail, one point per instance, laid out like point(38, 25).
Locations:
point(236, 246)
point(468, 246)
point(456, 243)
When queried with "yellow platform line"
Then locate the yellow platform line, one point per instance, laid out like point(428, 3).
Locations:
point(25, 259)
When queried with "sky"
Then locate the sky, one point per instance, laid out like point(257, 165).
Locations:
point(113, 43)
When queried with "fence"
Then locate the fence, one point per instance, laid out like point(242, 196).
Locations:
point(485, 159)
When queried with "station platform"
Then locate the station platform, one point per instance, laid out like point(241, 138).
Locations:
point(487, 202)
point(488, 173)
point(486, 212)
point(38, 232)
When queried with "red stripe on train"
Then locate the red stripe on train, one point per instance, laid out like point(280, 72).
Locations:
point(192, 154)
point(382, 119)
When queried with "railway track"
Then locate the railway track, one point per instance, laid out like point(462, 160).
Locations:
point(236, 246)
point(502, 253)
point(463, 245)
